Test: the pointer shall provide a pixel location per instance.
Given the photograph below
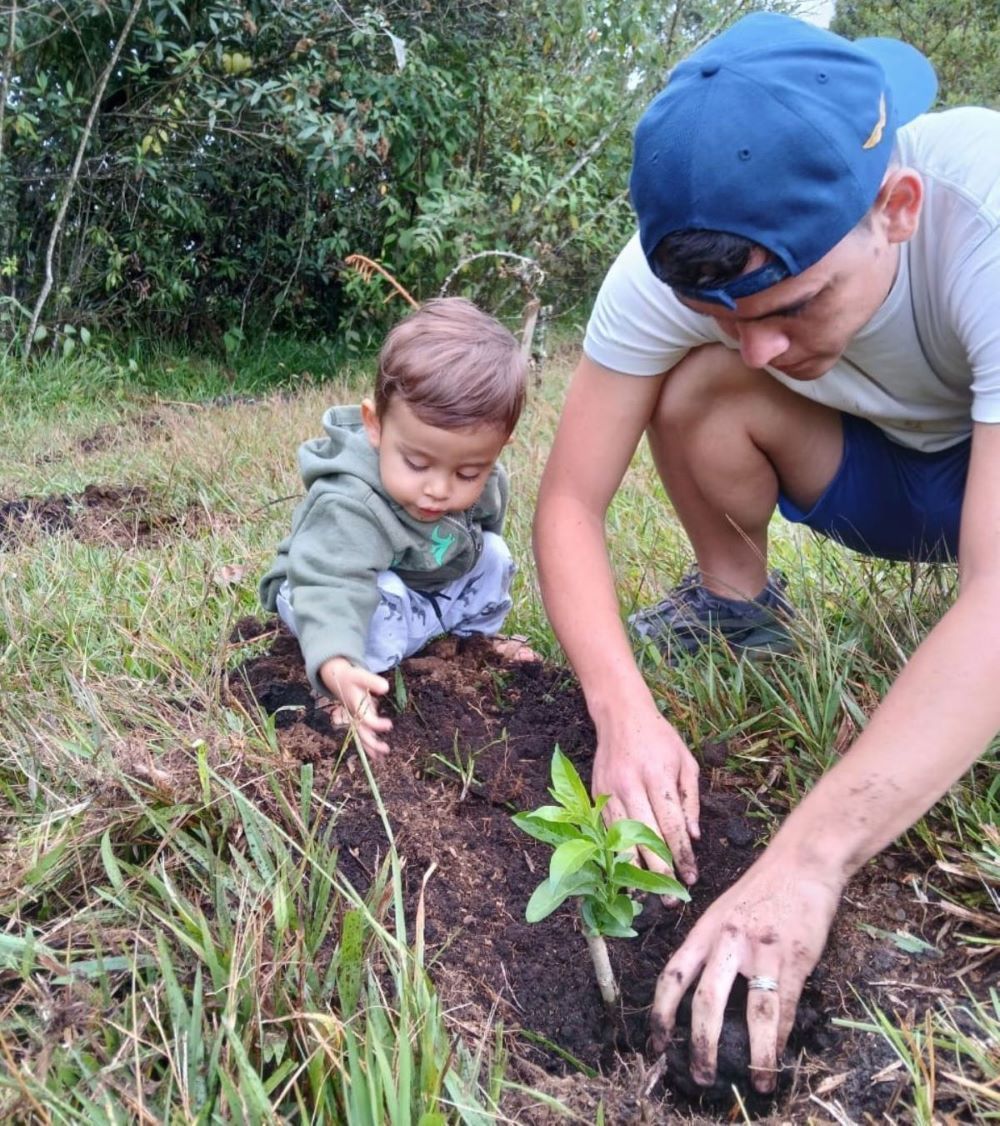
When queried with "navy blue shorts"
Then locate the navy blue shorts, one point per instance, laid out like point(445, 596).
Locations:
point(889, 500)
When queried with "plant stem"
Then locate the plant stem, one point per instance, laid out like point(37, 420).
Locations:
point(602, 968)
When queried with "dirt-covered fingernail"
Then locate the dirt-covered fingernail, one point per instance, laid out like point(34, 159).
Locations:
point(763, 1081)
point(659, 1034)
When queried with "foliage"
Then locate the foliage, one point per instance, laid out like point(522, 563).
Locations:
point(271, 986)
point(185, 871)
point(961, 38)
point(591, 860)
point(242, 149)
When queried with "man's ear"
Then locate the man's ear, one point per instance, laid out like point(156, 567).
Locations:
point(899, 203)
point(370, 421)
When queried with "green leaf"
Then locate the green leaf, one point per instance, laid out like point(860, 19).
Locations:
point(99, 968)
point(544, 900)
point(549, 895)
point(626, 834)
point(570, 857)
point(349, 968)
point(597, 920)
point(614, 930)
point(630, 876)
point(908, 943)
point(623, 909)
point(551, 832)
point(567, 787)
point(110, 863)
point(544, 828)
point(555, 813)
point(45, 864)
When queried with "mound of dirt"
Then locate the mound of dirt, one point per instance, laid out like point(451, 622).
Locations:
point(123, 516)
point(471, 744)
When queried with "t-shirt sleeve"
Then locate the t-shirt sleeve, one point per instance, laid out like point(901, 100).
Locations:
point(975, 309)
point(637, 326)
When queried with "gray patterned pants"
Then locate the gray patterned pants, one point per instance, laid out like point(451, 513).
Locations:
point(405, 620)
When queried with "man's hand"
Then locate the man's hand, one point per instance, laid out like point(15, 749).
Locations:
point(771, 925)
point(356, 688)
point(652, 777)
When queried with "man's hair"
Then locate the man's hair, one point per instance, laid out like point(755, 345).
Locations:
point(454, 366)
point(702, 259)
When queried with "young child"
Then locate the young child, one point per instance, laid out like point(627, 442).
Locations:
point(398, 537)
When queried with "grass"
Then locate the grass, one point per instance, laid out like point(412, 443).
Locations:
point(178, 945)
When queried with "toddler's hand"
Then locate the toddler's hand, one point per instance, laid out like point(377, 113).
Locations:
point(356, 688)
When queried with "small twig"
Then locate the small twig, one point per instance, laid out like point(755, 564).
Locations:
point(653, 1076)
point(528, 326)
point(280, 299)
point(277, 500)
point(366, 267)
point(530, 276)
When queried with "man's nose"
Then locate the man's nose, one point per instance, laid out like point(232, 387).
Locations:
point(760, 344)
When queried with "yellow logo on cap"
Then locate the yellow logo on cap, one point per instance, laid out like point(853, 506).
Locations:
point(876, 133)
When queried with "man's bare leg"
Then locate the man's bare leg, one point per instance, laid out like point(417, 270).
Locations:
point(723, 436)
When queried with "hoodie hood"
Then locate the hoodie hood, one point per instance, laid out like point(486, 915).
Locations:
point(344, 449)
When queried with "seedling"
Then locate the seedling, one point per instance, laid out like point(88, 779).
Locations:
point(593, 862)
point(463, 764)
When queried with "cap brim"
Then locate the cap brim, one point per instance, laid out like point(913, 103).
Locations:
point(911, 75)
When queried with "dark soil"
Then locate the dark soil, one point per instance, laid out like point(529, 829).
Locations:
point(106, 437)
point(458, 702)
point(123, 516)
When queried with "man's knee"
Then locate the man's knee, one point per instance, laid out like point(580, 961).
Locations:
point(704, 381)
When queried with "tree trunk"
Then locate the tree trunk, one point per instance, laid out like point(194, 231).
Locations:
point(57, 225)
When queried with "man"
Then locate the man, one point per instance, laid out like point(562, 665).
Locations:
point(808, 316)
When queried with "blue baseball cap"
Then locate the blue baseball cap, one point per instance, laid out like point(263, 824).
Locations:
point(777, 131)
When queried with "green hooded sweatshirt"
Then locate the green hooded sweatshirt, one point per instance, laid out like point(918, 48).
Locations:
point(347, 529)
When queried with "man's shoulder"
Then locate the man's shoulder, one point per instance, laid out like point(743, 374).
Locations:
point(957, 148)
point(637, 326)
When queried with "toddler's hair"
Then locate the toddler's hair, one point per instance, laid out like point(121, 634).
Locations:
point(454, 366)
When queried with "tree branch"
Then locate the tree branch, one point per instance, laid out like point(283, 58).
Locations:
point(60, 218)
point(8, 67)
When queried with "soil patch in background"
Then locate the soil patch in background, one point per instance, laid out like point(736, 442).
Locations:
point(458, 703)
point(107, 515)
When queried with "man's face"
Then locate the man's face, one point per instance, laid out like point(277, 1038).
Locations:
point(429, 471)
point(802, 326)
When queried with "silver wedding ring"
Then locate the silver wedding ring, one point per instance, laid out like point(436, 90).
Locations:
point(767, 984)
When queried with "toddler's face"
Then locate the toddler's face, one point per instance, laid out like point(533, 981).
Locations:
point(427, 470)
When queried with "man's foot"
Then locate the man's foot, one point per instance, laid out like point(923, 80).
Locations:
point(691, 616)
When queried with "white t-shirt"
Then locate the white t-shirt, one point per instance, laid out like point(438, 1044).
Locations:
point(928, 362)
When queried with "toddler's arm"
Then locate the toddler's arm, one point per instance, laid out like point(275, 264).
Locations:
point(356, 688)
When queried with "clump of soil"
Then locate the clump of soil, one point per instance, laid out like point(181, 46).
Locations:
point(472, 743)
point(122, 516)
point(106, 436)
